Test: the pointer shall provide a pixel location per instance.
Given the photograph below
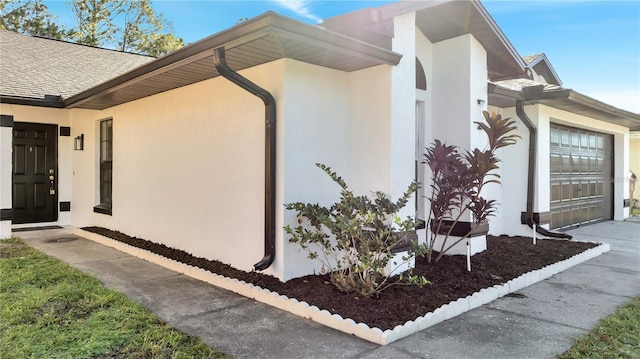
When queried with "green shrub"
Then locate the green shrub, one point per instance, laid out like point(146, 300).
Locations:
point(355, 237)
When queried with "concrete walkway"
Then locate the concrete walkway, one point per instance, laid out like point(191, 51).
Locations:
point(540, 324)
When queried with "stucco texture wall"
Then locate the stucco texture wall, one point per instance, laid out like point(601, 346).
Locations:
point(188, 168)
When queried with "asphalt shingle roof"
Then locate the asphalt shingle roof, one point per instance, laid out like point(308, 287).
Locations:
point(519, 84)
point(33, 67)
point(530, 58)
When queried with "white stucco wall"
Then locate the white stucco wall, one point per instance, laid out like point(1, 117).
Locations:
point(60, 117)
point(315, 130)
point(5, 175)
point(188, 168)
point(512, 193)
point(403, 107)
point(459, 92)
point(459, 81)
point(370, 129)
point(424, 52)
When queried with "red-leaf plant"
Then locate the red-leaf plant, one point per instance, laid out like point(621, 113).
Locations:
point(458, 179)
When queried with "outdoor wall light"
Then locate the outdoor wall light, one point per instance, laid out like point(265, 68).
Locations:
point(483, 107)
point(78, 143)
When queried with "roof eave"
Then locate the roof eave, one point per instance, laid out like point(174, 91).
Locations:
point(53, 102)
point(542, 58)
point(263, 25)
point(601, 106)
point(624, 118)
point(503, 38)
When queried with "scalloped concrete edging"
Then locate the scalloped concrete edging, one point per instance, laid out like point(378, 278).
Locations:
point(347, 325)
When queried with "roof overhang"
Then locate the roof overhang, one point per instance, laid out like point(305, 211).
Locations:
point(438, 21)
point(47, 101)
point(542, 66)
point(263, 39)
point(564, 99)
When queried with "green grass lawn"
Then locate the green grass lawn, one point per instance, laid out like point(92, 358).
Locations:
point(51, 310)
point(616, 336)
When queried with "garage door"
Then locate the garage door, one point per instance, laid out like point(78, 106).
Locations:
point(581, 176)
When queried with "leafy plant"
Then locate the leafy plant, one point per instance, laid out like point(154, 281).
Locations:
point(458, 179)
point(355, 237)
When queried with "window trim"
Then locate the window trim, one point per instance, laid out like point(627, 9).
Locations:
point(105, 136)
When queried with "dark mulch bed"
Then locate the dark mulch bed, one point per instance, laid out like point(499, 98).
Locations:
point(505, 258)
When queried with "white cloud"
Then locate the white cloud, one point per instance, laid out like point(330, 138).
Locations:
point(300, 8)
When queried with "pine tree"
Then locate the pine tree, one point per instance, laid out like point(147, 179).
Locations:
point(31, 17)
point(146, 32)
point(96, 21)
point(131, 25)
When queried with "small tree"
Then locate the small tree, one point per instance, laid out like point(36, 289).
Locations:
point(355, 237)
point(458, 179)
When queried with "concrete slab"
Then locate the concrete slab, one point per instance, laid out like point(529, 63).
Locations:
point(255, 330)
point(178, 296)
point(620, 245)
point(610, 230)
point(76, 251)
point(619, 260)
point(124, 271)
point(562, 304)
point(389, 352)
point(489, 333)
point(600, 279)
point(42, 234)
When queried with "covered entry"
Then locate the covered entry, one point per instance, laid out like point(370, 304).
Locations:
point(581, 180)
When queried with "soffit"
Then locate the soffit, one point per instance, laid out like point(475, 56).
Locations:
point(261, 40)
point(563, 99)
point(452, 19)
point(438, 20)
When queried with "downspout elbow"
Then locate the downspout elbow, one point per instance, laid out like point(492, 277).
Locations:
point(533, 136)
point(225, 71)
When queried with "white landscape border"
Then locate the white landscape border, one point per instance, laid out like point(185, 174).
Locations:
point(346, 325)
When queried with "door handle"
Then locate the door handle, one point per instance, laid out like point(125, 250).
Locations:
point(52, 188)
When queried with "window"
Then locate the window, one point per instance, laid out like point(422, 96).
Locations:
point(421, 77)
point(106, 166)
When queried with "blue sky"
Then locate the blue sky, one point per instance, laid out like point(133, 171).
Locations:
point(593, 45)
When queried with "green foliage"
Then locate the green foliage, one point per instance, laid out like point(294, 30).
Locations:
point(458, 179)
point(146, 32)
point(132, 24)
point(96, 21)
point(31, 17)
point(616, 336)
point(51, 310)
point(354, 238)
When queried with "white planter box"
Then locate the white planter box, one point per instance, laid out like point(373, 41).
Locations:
point(477, 244)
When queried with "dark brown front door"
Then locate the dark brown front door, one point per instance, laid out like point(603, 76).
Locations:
point(34, 173)
point(581, 176)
